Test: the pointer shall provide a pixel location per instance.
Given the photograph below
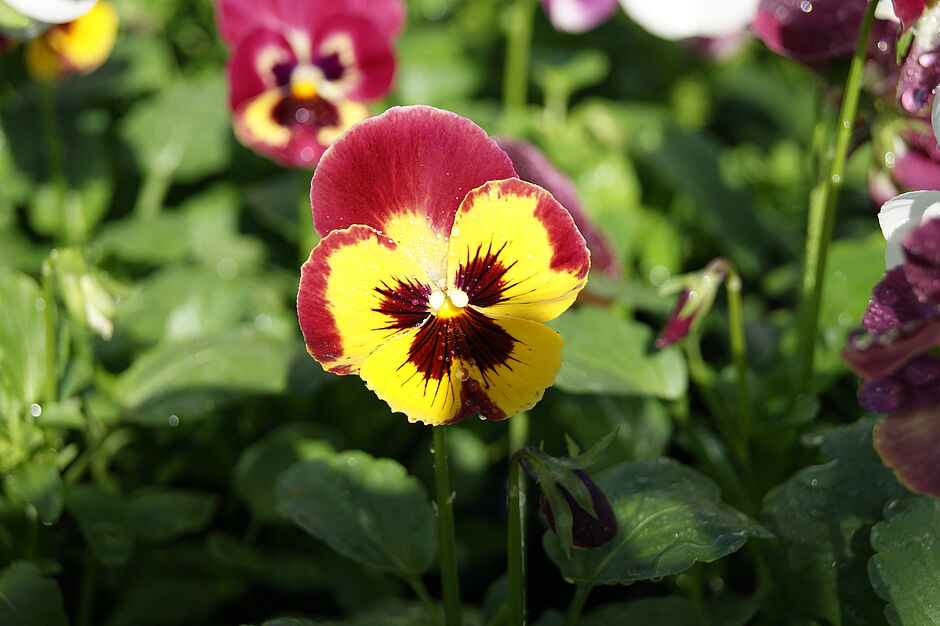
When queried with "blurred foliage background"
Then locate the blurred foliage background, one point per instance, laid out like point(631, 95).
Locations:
point(143, 484)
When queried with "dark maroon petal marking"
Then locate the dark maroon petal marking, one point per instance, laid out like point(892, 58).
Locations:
point(470, 336)
point(406, 303)
point(473, 399)
point(909, 443)
point(331, 66)
point(245, 78)
point(586, 531)
point(282, 73)
point(481, 276)
point(315, 112)
point(532, 166)
point(407, 159)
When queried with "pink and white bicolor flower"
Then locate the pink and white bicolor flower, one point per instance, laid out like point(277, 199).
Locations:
point(52, 11)
point(301, 71)
point(901, 214)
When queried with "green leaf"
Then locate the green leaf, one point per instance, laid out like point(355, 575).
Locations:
point(668, 517)
point(905, 569)
point(36, 483)
point(255, 475)
point(370, 510)
point(189, 378)
point(22, 343)
point(161, 515)
point(103, 521)
point(822, 516)
point(616, 361)
point(182, 131)
point(27, 598)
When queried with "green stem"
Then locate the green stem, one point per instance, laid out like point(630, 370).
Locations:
point(515, 548)
point(447, 549)
point(152, 193)
point(48, 318)
point(573, 614)
point(516, 74)
point(822, 210)
point(86, 597)
point(417, 585)
point(738, 354)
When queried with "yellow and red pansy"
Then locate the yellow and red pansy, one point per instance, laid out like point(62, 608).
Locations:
point(436, 268)
point(301, 71)
point(77, 47)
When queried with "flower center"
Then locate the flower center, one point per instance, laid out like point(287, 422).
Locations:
point(449, 303)
point(304, 82)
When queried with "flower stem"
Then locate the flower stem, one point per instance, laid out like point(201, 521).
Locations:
point(48, 318)
point(446, 543)
point(573, 614)
point(515, 547)
point(516, 74)
point(738, 353)
point(822, 209)
point(152, 193)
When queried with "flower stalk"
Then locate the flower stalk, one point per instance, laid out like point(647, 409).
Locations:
point(515, 548)
point(516, 75)
point(739, 354)
point(822, 209)
point(447, 549)
point(573, 614)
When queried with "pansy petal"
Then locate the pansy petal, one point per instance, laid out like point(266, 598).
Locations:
point(827, 31)
point(238, 18)
point(909, 443)
point(353, 46)
point(251, 68)
point(534, 167)
point(358, 291)
point(900, 215)
point(515, 251)
point(52, 11)
point(922, 261)
point(578, 16)
point(881, 355)
point(453, 367)
point(80, 46)
point(411, 164)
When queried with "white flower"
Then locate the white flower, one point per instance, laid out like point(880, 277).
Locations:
point(901, 214)
point(680, 19)
point(52, 11)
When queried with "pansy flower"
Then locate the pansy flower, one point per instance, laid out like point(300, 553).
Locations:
point(811, 31)
point(77, 47)
point(436, 268)
point(301, 71)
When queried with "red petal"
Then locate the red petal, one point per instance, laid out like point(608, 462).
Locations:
point(909, 443)
point(409, 159)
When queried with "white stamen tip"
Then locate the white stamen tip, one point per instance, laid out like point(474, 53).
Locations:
point(458, 298)
point(436, 300)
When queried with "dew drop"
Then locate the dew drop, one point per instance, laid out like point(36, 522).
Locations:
point(173, 420)
point(35, 410)
point(806, 6)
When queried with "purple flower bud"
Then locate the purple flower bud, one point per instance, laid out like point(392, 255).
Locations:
point(908, 10)
point(587, 531)
point(811, 31)
point(694, 301)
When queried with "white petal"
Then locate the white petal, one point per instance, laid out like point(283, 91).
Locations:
point(885, 11)
point(52, 11)
point(900, 215)
point(680, 19)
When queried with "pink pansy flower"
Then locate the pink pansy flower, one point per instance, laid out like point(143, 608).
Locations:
point(436, 268)
point(301, 71)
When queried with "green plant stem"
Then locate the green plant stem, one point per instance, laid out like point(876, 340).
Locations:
point(823, 200)
point(516, 73)
point(86, 592)
point(573, 614)
point(417, 585)
point(515, 548)
point(48, 318)
point(447, 549)
point(152, 193)
point(739, 355)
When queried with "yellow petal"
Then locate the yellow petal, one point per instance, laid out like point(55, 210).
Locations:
point(465, 363)
point(81, 45)
point(515, 251)
point(358, 291)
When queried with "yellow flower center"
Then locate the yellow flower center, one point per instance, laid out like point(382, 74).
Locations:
point(304, 82)
point(449, 303)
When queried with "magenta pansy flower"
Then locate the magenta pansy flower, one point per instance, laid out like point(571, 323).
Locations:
point(301, 71)
point(811, 31)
